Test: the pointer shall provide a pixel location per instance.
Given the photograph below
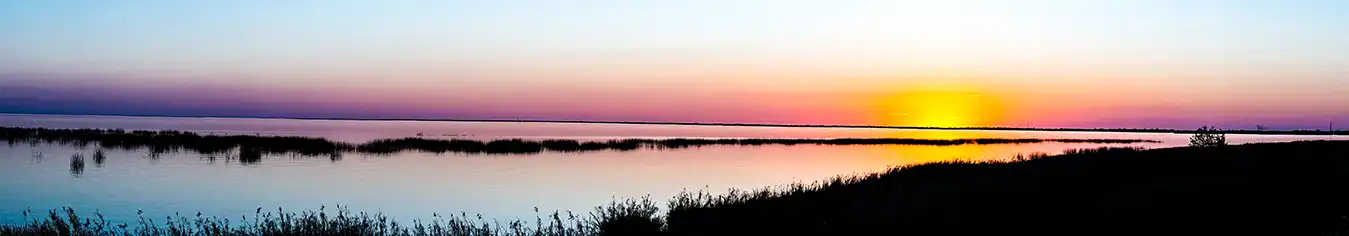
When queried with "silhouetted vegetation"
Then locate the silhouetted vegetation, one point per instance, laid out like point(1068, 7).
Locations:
point(1256, 189)
point(321, 222)
point(1208, 137)
point(76, 164)
point(250, 149)
point(99, 157)
point(1293, 188)
point(615, 218)
point(628, 217)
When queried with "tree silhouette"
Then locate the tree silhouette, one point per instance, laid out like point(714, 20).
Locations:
point(1208, 137)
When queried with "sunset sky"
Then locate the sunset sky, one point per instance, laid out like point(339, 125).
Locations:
point(1069, 63)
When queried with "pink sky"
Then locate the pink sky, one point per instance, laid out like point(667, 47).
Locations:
point(1044, 63)
point(1011, 104)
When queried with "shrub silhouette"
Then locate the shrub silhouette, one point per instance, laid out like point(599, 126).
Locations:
point(76, 164)
point(628, 217)
point(1208, 137)
point(99, 157)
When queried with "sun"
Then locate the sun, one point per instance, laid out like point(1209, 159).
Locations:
point(944, 108)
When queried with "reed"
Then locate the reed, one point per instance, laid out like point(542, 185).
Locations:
point(99, 157)
point(252, 148)
point(613, 219)
point(76, 164)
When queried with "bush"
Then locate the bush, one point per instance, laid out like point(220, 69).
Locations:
point(628, 217)
point(1208, 137)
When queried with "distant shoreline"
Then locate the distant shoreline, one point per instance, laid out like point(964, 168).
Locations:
point(1113, 130)
point(251, 148)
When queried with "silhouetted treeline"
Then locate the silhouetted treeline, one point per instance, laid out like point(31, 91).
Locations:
point(251, 147)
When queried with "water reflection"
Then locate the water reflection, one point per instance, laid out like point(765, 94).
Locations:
point(922, 154)
point(944, 153)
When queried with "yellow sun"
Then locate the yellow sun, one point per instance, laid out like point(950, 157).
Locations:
point(945, 108)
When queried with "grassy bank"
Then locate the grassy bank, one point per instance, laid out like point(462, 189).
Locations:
point(1297, 188)
point(250, 148)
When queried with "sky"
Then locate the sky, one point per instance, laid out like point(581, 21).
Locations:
point(1043, 63)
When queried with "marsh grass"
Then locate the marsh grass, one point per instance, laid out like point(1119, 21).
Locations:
point(250, 149)
point(1256, 189)
point(77, 164)
point(613, 220)
point(99, 157)
point(628, 217)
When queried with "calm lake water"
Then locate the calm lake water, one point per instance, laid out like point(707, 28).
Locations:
point(415, 185)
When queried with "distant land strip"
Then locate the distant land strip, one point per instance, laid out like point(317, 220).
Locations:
point(1115, 130)
point(252, 147)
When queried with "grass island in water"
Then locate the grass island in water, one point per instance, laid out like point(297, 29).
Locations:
point(253, 147)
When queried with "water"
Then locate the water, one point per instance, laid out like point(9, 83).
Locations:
point(415, 185)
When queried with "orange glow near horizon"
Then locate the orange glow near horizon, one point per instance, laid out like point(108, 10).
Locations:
point(946, 108)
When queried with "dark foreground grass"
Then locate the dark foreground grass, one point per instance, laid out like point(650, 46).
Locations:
point(1298, 188)
point(340, 222)
point(251, 148)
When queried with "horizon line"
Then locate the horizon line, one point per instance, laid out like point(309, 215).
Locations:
point(986, 128)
